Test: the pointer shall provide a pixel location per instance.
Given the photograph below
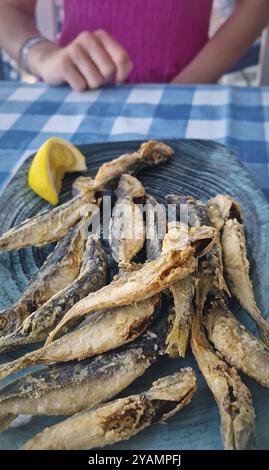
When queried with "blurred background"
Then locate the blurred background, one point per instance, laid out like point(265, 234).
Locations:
point(252, 70)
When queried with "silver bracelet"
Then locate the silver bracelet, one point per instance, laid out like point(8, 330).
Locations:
point(25, 48)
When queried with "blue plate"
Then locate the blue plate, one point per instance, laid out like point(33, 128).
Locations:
point(201, 169)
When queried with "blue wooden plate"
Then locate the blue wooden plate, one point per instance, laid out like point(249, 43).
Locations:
point(201, 169)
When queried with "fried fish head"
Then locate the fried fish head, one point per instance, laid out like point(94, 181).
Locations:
point(222, 208)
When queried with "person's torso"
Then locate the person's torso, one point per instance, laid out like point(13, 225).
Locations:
point(161, 36)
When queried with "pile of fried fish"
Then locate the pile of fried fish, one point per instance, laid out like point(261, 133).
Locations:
point(101, 334)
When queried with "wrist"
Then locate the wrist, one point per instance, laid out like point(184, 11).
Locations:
point(38, 54)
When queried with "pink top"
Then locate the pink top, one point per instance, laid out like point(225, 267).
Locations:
point(161, 36)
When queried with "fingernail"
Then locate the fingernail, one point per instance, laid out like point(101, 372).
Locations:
point(109, 79)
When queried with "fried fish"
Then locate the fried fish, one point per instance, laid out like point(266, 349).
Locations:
point(187, 210)
point(54, 224)
point(177, 340)
point(149, 153)
point(61, 267)
point(104, 330)
point(239, 347)
point(127, 230)
point(232, 396)
point(149, 280)
point(50, 226)
point(120, 419)
point(40, 323)
point(236, 266)
point(156, 227)
point(67, 388)
point(182, 291)
point(222, 208)
point(226, 215)
point(189, 214)
point(101, 332)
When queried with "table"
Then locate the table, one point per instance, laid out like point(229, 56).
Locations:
point(236, 117)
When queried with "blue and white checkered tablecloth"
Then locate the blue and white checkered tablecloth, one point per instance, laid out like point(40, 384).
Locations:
point(236, 117)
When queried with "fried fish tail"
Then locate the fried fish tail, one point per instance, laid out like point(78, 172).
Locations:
point(238, 346)
point(177, 340)
point(263, 327)
point(232, 396)
point(120, 419)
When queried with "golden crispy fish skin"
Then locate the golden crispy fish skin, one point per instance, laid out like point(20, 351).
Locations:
point(222, 208)
point(151, 279)
point(83, 185)
point(61, 267)
point(149, 153)
point(233, 398)
point(54, 224)
point(156, 224)
point(5, 421)
point(50, 226)
point(102, 332)
point(127, 229)
point(177, 340)
point(226, 215)
point(182, 290)
point(67, 388)
point(120, 419)
point(134, 287)
point(38, 325)
point(239, 347)
point(197, 210)
point(197, 216)
point(236, 267)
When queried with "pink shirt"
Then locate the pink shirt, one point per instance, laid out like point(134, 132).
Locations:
point(161, 36)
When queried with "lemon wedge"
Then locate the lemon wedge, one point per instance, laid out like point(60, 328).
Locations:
point(55, 158)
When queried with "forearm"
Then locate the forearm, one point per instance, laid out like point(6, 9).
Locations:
point(16, 24)
point(229, 44)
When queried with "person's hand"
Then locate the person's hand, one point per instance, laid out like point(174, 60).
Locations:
point(90, 61)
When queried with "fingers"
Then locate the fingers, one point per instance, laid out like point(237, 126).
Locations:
point(117, 53)
point(93, 59)
point(98, 55)
point(87, 68)
point(72, 76)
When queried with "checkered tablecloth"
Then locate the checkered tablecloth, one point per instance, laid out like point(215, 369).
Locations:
point(236, 117)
